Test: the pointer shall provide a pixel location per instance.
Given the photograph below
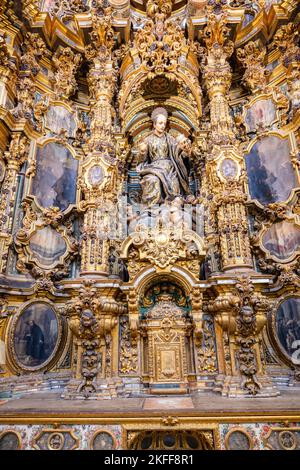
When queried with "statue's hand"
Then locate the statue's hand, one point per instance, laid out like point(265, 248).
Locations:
point(191, 199)
point(142, 148)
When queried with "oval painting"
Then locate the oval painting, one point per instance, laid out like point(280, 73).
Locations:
point(282, 239)
point(103, 441)
point(54, 182)
point(271, 176)
point(47, 246)
point(36, 335)
point(229, 168)
point(237, 440)
point(9, 441)
point(95, 175)
point(287, 326)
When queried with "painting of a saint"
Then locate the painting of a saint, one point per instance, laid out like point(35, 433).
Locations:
point(47, 246)
point(35, 341)
point(261, 114)
point(282, 239)
point(270, 171)
point(54, 183)
point(35, 335)
point(288, 324)
point(58, 118)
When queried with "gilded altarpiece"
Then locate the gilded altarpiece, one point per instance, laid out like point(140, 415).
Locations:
point(150, 206)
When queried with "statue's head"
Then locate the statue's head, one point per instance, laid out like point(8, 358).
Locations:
point(159, 118)
point(87, 318)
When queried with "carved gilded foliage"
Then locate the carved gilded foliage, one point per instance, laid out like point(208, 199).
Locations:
point(45, 245)
point(66, 64)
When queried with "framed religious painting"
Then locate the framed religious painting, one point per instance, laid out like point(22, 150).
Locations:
point(10, 440)
point(58, 118)
point(54, 183)
point(260, 114)
point(282, 438)
point(58, 439)
point(103, 440)
point(238, 439)
point(47, 247)
point(271, 175)
point(35, 336)
point(285, 330)
point(281, 241)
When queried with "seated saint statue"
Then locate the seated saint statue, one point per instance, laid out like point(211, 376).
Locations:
point(163, 171)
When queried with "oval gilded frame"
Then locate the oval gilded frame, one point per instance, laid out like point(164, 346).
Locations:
point(11, 353)
point(100, 431)
point(12, 431)
point(242, 431)
point(272, 333)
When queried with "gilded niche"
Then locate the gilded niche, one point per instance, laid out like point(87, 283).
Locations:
point(165, 329)
point(163, 173)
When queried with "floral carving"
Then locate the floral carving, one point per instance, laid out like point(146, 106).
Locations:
point(128, 349)
point(252, 57)
point(243, 316)
point(66, 64)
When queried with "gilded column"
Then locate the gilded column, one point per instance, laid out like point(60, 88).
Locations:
point(8, 75)
point(225, 162)
point(93, 319)
point(241, 314)
point(98, 180)
point(15, 157)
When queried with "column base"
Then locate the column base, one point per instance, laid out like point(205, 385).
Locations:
point(231, 387)
point(239, 269)
point(203, 383)
point(94, 274)
point(105, 389)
